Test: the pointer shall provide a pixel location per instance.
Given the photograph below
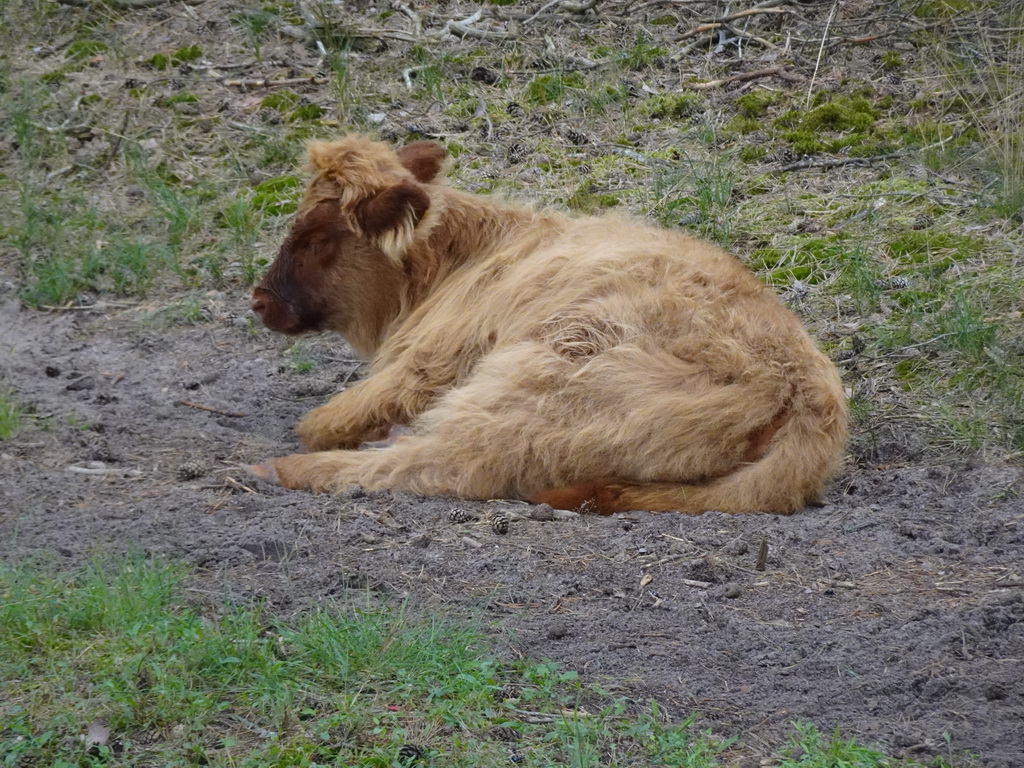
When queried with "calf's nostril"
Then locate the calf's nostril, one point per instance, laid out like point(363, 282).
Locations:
point(259, 305)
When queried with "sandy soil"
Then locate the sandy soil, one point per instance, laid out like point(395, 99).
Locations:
point(895, 610)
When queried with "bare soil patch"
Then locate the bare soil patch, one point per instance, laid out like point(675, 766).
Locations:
point(895, 610)
point(153, 152)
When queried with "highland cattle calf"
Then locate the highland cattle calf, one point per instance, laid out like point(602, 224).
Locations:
point(593, 363)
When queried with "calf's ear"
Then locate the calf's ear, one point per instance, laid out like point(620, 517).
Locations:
point(390, 217)
point(423, 159)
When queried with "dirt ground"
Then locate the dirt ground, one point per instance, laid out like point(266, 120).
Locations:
point(895, 610)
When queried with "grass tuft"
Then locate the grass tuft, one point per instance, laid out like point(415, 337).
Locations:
point(114, 646)
point(12, 413)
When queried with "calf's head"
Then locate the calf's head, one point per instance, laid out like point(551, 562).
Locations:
point(342, 265)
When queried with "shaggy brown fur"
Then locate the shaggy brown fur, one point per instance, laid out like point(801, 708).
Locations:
point(591, 362)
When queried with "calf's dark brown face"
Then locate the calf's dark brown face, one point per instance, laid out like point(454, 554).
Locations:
point(291, 299)
point(342, 270)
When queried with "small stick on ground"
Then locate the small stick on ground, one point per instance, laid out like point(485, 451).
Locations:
point(417, 22)
point(249, 84)
point(835, 162)
point(762, 555)
point(772, 71)
point(202, 407)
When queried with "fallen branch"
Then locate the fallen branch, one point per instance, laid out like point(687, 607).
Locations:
point(417, 22)
point(836, 162)
point(463, 29)
point(202, 407)
point(304, 33)
point(98, 468)
point(247, 84)
point(695, 583)
point(750, 12)
point(122, 5)
point(772, 71)
point(629, 8)
point(545, 7)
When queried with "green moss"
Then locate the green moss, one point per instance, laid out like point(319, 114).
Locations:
point(160, 61)
point(787, 275)
point(306, 113)
point(891, 61)
point(277, 196)
point(163, 61)
point(744, 124)
point(942, 9)
point(587, 200)
point(767, 258)
point(804, 142)
point(668, 20)
point(675, 106)
point(841, 114)
point(80, 49)
point(280, 101)
point(926, 132)
point(642, 54)
point(751, 153)
point(871, 148)
point(788, 119)
point(911, 371)
point(927, 246)
point(189, 53)
point(919, 302)
point(602, 96)
point(809, 132)
point(755, 104)
point(56, 76)
point(181, 98)
point(544, 89)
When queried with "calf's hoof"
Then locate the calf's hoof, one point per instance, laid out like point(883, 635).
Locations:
point(265, 472)
point(278, 472)
point(311, 471)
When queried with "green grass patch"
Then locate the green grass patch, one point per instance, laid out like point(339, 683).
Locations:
point(673, 106)
point(12, 413)
point(933, 247)
point(67, 247)
point(281, 100)
point(277, 196)
point(299, 359)
point(116, 645)
point(81, 49)
point(109, 665)
point(545, 89)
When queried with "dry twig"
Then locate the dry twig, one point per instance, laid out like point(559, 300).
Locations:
point(291, 82)
point(772, 71)
point(836, 162)
point(210, 409)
